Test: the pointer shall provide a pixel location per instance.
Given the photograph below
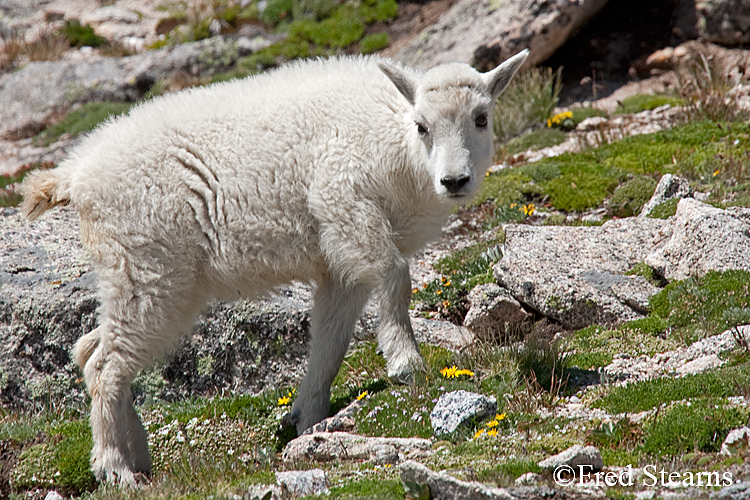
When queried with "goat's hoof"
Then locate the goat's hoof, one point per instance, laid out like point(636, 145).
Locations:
point(291, 419)
point(402, 377)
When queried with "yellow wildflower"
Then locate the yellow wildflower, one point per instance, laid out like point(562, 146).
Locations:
point(449, 372)
point(362, 395)
point(529, 209)
point(479, 433)
point(559, 118)
point(446, 303)
point(492, 432)
point(494, 423)
point(415, 290)
point(500, 417)
point(284, 401)
point(465, 372)
point(716, 172)
point(424, 286)
point(448, 283)
point(439, 292)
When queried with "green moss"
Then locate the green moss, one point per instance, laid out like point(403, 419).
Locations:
point(72, 456)
point(697, 426)
point(698, 307)
point(581, 181)
point(35, 468)
point(580, 114)
point(504, 474)
point(537, 139)
point(385, 489)
point(641, 396)
point(643, 269)
point(642, 102)
point(629, 198)
point(81, 120)
point(374, 42)
point(665, 210)
point(81, 36)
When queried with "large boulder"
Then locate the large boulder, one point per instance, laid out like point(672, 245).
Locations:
point(702, 238)
point(485, 32)
point(48, 299)
point(34, 96)
point(576, 275)
point(726, 22)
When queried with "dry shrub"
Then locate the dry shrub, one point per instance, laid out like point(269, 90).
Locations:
point(49, 45)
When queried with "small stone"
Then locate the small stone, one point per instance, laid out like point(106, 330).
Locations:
point(262, 491)
point(528, 479)
point(669, 187)
point(737, 441)
point(460, 408)
point(53, 495)
point(493, 312)
point(581, 459)
point(302, 483)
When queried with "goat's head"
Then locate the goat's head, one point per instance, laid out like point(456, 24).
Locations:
point(452, 114)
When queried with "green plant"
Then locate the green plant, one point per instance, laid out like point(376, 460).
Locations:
point(536, 139)
point(81, 36)
point(81, 120)
point(629, 198)
point(702, 306)
point(527, 103)
point(665, 210)
point(724, 382)
point(374, 42)
point(644, 102)
point(72, 456)
point(697, 426)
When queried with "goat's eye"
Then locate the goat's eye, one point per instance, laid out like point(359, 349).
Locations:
point(481, 121)
point(422, 128)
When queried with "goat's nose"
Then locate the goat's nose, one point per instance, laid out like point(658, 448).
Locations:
point(454, 184)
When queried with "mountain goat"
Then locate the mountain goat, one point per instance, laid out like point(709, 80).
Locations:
point(327, 171)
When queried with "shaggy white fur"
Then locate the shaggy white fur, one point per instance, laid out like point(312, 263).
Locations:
point(328, 171)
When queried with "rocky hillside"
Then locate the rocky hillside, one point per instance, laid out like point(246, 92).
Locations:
point(585, 320)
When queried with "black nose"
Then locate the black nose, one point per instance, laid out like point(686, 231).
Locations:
point(454, 184)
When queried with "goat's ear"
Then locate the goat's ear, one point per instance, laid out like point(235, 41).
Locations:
point(404, 82)
point(499, 78)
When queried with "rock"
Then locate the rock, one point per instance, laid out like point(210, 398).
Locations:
point(576, 275)
point(737, 491)
point(696, 358)
point(669, 187)
point(493, 312)
point(580, 459)
point(528, 479)
point(48, 300)
point(737, 442)
point(444, 487)
point(726, 22)
point(34, 96)
point(263, 492)
point(343, 421)
point(485, 32)
point(302, 483)
point(441, 333)
point(702, 238)
point(459, 409)
point(325, 447)
point(53, 495)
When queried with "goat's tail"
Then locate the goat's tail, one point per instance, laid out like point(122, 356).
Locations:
point(85, 347)
point(42, 190)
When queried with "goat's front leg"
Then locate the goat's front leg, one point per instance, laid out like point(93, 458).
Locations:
point(395, 335)
point(336, 309)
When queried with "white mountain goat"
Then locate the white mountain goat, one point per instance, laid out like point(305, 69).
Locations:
point(328, 171)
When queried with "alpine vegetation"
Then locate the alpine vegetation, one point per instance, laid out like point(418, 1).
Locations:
point(327, 171)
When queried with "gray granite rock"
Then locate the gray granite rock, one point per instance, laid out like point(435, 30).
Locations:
point(493, 312)
point(459, 409)
point(669, 187)
point(702, 238)
point(576, 275)
point(302, 483)
point(485, 32)
point(328, 446)
point(578, 458)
